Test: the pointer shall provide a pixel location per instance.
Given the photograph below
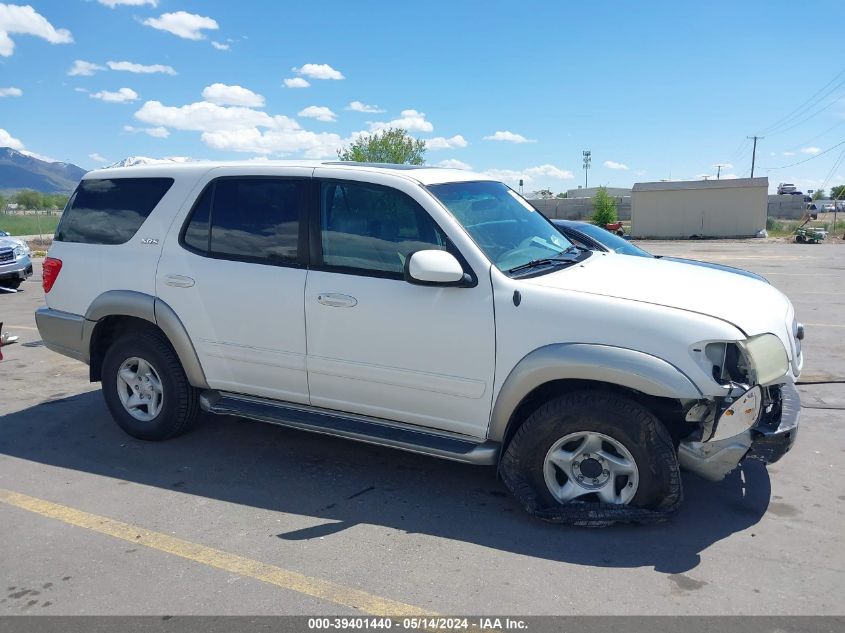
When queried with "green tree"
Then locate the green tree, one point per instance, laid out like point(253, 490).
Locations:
point(392, 145)
point(544, 194)
point(28, 199)
point(604, 208)
point(818, 194)
point(838, 192)
point(2, 202)
point(562, 194)
point(55, 201)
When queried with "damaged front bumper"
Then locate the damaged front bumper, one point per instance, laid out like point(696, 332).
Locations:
point(769, 439)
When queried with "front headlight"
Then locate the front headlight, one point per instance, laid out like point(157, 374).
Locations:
point(759, 360)
point(19, 252)
point(768, 358)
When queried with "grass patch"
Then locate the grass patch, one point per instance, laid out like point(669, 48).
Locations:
point(29, 224)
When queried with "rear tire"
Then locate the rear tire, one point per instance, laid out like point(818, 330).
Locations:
point(145, 387)
point(577, 451)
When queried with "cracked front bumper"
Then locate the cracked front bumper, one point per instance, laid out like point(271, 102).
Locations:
point(768, 440)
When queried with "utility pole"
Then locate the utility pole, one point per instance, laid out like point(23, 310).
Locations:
point(587, 154)
point(754, 151)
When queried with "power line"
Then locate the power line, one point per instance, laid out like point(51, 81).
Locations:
point(822, 153)
point(811, 101)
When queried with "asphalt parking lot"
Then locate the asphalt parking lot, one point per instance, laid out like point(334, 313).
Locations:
point(245, 518)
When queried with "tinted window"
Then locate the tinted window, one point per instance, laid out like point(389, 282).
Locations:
point(373, 228)
point(255, 219)
point(110, 211)
point(611, 240)
point(196, 233)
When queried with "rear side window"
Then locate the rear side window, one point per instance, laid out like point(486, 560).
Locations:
point(249, 219)
point(110, 211)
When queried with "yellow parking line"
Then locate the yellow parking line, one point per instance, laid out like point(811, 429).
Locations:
point(825, 324)
point(286, 579)
point(19, 327)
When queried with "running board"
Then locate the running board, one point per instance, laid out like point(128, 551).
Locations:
point(351, 426)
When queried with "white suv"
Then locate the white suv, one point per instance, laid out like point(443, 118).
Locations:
point(427, 309)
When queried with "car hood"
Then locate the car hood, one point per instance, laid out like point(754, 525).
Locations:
point(10, 242)
point(751, 305)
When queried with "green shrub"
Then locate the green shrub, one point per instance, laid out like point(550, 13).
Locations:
point(604, 208)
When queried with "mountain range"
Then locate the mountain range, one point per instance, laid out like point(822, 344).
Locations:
point(21, 170)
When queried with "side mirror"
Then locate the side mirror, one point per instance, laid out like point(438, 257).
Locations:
point(434, 268)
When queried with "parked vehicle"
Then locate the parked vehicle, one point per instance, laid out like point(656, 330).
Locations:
point(598, 239)
point(15, 263)
point(431, 310)
point(786, 188)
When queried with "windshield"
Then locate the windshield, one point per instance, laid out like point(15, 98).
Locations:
point(509, 231)
point(611, 240)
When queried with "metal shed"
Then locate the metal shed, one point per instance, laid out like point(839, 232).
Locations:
point(699, 208)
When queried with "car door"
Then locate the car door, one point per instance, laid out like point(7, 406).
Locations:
point(378, 345)
point(235, 275)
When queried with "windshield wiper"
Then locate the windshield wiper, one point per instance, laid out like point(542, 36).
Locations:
point(543, 261)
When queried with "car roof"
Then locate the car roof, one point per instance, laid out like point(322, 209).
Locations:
point(571, 223)
point(423, 174)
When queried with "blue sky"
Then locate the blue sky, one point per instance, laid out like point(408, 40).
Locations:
point(654, 89)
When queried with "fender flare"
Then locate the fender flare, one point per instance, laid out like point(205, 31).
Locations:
point(582, 361)
point(154, 310)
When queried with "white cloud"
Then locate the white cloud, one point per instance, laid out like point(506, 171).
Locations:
point(124, 95)
point(221, 94)
point(810, 150)
point(508, 137)
point(11, 92)
point(186, 25)
point(642, 172)
point(7, 140)
point(789, 153)
point(97, 158)
point(83, 68)
point(296, 82)
point(453, 163)
point(531, 176)
point(318, 71)
point(111, 4)
point(241, 129)
point(131, 67)
point(24, 20)
point(409, 120)
point(357, 106)
point(612, 164)
point(220, 46)
point(440, 142)
point(155, 132)
point(321, 113)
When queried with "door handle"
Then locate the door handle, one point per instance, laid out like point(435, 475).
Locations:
point(336, 300)
point(179, 281)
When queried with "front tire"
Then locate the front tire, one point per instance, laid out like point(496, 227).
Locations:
point(11, 284)
point(585, 452)
point(145, 387)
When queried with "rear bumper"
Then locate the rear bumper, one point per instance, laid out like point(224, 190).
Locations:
point(64, 333)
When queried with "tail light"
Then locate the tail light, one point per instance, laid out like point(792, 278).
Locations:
point(50, 272)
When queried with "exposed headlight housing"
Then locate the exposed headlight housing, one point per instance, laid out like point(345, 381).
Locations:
point(759, 360)
point(19, 252)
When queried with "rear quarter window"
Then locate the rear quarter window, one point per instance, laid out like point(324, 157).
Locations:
point(110, 210)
